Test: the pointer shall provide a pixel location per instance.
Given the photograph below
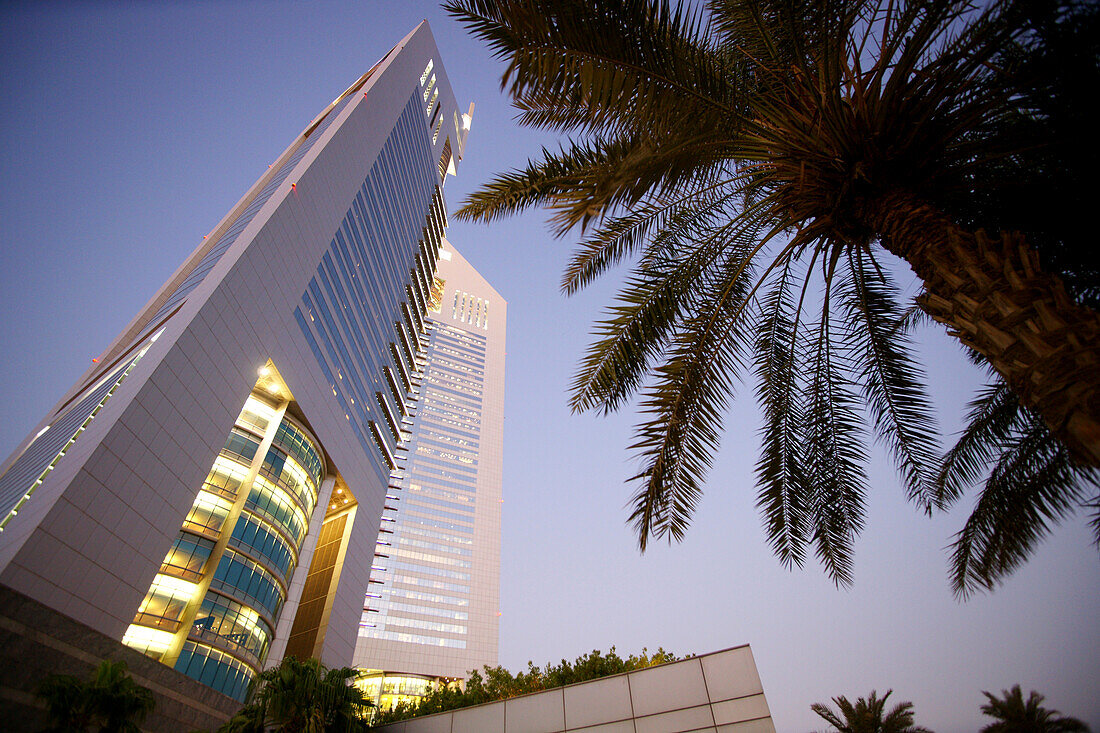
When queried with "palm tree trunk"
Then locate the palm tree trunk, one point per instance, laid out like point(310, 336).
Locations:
point(993, 296)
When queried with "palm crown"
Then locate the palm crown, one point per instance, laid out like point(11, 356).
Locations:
point(302, 697)
point(869, 715)
point(756, 161)
point(1014, 715)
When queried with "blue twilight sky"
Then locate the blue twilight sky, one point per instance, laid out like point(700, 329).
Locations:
point(129, 129)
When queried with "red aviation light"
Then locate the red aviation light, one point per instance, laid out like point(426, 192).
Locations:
point(294, 187)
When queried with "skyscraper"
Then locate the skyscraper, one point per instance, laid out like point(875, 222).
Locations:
point(432, 608)
point(210, 490)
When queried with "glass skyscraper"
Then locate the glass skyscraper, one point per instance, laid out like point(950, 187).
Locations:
point(432, 609)
point(210, 491)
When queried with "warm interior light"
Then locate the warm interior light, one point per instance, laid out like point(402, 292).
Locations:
point(143, 637)
point(177, 586)
point(264, 371)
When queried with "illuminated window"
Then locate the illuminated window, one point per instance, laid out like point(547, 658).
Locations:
point(431, 104)
point(215, 669)
point(151, 642)
point(435, 135)
point(207, 514)
point(256, 415)
point(165, 602)
point(188, 556)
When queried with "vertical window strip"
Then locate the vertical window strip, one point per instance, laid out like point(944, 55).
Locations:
point(14, 473)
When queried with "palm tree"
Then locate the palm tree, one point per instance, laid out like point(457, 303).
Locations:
point(760, 161)
point(1029, 480)
point(1016, 716)
point(109, 701)
point(869, 716)
point(302, 697)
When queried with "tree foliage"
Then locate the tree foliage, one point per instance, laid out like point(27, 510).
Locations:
point(109, 701)
point(1044, 188)
point(1029, 484)
point(497, 683)
point(760, 162)
point(302, 697)
point(1015, 715)
point(1029, 481)
point(869, 715)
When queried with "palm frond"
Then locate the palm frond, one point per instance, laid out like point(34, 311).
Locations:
point(777, 33)
point(844, 125)
point(548, 182)
point(682, 411)
point(835, 456)
point(783, 491)
point(1012, 713)
point(892, 383)
point(828, 715)
point(584, 181)
point(640, 323)
point(625, 235)
point(994, 415)
point(1033, 486)
point(604, 67)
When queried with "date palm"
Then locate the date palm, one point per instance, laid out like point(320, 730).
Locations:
point(302, 697)
point(1029, 480)
point(1014, 715)
point(109, 701)
point(869, 715)
point(759, 162)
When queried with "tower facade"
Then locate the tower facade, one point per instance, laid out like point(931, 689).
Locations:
point(432, 608)
point(210, 490)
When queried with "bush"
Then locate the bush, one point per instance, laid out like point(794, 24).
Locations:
point(497, 683)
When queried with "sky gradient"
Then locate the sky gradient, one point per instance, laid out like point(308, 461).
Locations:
point(130, 129)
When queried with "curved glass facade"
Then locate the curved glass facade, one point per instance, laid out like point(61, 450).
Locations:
point(212, 610)
point(388, 689)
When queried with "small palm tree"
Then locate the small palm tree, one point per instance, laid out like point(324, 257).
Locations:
point(869, 716)
point(1014, 715)
point(302, 697)
point(109, 701)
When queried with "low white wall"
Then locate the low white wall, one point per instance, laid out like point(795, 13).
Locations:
point(713, 693)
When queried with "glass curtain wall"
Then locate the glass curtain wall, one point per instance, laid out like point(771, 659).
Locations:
point(421, 581)
point(212, 608)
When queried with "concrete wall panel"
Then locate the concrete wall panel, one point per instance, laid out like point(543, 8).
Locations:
point(745, 708)
point(671, 698)
point(598, 701)
point(688, 719)
point(481, 719)
point(731, 675)
point(668, 687)
point(540, 713)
